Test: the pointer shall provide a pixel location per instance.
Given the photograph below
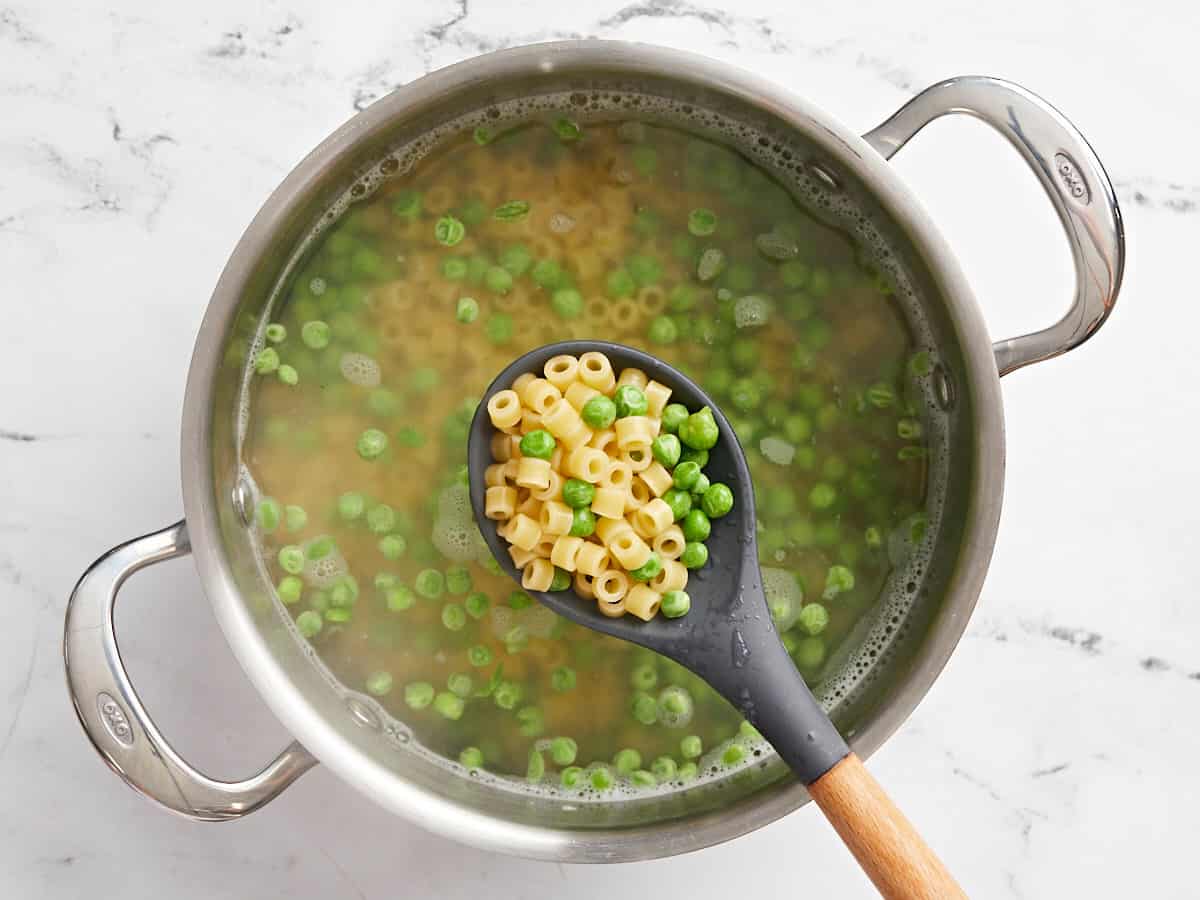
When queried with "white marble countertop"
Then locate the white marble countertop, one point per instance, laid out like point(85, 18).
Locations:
point(1056, 756)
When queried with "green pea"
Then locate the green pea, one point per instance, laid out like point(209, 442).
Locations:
point(548, 274)
point(685, 475)
point(644, 676)
point(909, 430)
point(691, 747)
point(578, 494)
point(454, 268)
point(407, 205)
point(562, 679)
point(733, 754)
point(676, 603)
point(449, 231)
point(383, 402)
point(696, 526)
point(813, 619)
point(567, 303)
point(539, 444)
point(630, 400)
point(268, 514)
point(460, 684)
point(345, 593)
point(666, 449)
point(499, 328)
point(531, 721)
point(620, 284)
point(507, 694)
point(809, 653)
point(563, 751)
point(642, 779)
point(566, 129)
point(519, 600)
point(680, 502)
point(418, 694)
point(881, 395)
point(583, 523)
point(561, 580)
point(379, 684)
point(466, 310)
point(571, 776)
point(601, 779)
point(702, 484)
point(626, 760)
point(745, 395)
point(400, 598)
point(410, 436)
point(646, 222)
point(688, 771)
point(838, 580)
point(599, 412)
point(449, 706)
point(822, 495)
point(471, 758)
point(381, 519)
point(321, 547)
point(644, 708)
point(511, 211)
point(454, 617)
point(700, 430)
point(645, 160)
point(275, 333)
point(717, 501)
point(674, 415)
point(477, 605)
point(310, 623)
point(646, 270)
point(266, 361)
point(430, 583)
point(702, 222)
point(479, 655)
point(392, 546)
point(291, 559)
point(663, 330)
point(371, 444)
point(920, 364)
point(289, 589)
point(663, 768)
point(498, 280)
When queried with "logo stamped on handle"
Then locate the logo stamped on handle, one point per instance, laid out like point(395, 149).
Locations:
point(1069, 174)
point(114, 719)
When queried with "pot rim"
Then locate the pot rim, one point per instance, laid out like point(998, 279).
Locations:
point(437, 813)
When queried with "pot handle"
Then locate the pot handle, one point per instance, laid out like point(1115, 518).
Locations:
point(1073, 178)
point(112, 715)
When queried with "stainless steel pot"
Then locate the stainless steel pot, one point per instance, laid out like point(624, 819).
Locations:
point(346, 731)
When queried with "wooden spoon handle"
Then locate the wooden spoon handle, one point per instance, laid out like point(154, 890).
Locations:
point(884, 842)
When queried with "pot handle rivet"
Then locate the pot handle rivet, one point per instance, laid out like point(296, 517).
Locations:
point(113, 716)
point(1073, 178)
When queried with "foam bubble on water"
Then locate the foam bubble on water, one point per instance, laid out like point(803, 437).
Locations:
point(784, 597)
point(561, 223)
point(538, 620)
point(751, 311)
point(360, 369)
point(325, 572)
point(777, 450)
point(501, 618)
point(455, 533)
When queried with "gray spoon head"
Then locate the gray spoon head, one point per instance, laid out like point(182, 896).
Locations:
point(727, 638)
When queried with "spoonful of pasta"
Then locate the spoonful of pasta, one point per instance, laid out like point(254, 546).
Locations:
point(615, 491)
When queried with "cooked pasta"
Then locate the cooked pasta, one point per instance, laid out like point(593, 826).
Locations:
point(593, 494)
